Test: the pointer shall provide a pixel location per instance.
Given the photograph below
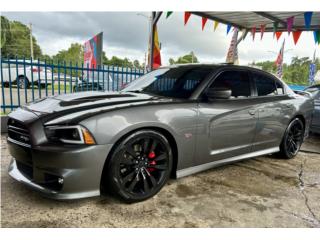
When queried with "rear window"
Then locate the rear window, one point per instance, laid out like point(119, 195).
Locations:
point(267, 86)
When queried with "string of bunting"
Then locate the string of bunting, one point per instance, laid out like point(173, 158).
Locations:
point(296, 33)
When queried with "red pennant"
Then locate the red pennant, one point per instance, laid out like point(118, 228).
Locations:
point(186, 17)
point(278, 35)
point(204, 20)
point(296, 36)
point(253, 32)
point(262, 29)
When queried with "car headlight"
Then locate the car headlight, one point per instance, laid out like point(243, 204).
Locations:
point(69, 134)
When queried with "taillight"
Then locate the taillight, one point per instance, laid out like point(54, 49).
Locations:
point(35, 69)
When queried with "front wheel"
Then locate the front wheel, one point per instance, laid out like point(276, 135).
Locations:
point(292, 139)
point(139, 166)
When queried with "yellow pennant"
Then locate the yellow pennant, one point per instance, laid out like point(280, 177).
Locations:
point(215, 25)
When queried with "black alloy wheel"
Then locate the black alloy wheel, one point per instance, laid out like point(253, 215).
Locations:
point(293, 139)
point(22, 82)
point(140, 166)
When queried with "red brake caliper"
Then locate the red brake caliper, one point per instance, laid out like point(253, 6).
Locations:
point(152, 162)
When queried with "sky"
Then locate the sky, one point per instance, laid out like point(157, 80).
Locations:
point(125, 34)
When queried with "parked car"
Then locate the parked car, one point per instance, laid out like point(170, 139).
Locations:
point(315, 93)
point(94, 80)
point(109, 79)
point(23, 74)
point(172, 122)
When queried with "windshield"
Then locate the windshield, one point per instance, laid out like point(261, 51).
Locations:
point(178, 82)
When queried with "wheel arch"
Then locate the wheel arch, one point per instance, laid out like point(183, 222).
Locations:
point(22, 75)
point(301, 117)
point(168, 135)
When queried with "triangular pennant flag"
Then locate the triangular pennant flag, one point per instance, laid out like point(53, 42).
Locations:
point(253, 32)
point(216, 23)
point(278, 35)
point(262, 29)
point(296, 36)
point(290, 24)
point(168, 14)
point(275, 28)
point(204, 20)
point(186, 17)
point(228, 28)
point(315, 37)
point(307, 19)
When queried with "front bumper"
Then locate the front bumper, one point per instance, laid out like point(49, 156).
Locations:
point(59, 172)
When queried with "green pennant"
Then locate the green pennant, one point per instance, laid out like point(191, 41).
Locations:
point(168, 14)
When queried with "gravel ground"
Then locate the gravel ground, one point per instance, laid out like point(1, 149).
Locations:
point(259, 192)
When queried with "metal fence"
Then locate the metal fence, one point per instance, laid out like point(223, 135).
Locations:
point(25, 80)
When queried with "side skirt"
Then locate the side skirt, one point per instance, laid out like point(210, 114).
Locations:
point(203, 167)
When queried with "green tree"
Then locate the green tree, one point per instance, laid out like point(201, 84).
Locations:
point(5, 31)
point(188, 58)
point(268, 66)
point(15, 40)
point(73, 54)
point(297, 72)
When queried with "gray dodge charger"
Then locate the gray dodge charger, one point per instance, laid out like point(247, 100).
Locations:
point(171, 122)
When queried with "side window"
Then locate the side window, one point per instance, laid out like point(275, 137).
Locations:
point(267, 86)
point(237, 81)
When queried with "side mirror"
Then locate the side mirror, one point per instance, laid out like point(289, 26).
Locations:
point(218, 93)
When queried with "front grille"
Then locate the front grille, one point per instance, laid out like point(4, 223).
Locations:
point(18, 132)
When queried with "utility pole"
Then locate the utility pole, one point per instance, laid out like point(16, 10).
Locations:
point(31, 41)
point(149, 18)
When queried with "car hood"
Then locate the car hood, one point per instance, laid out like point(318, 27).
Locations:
point(76, 105)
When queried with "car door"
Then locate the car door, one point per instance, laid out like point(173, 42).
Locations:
point(226, 127)
point(316, 114)
point(274, 109)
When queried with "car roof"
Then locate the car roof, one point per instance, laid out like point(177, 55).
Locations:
point(220, 65)
point(215, 65)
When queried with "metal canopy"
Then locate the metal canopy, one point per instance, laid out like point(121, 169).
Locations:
point(248, 20)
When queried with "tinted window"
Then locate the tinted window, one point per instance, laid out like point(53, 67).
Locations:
point(237, 81)
point(171, 82)
point(267, 86)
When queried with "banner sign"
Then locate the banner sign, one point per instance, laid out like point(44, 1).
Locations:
point(232, 55)
point(312, 73)
point(93, 51)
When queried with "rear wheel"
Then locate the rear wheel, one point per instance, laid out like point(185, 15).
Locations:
point(292, 139)
point(22, 82)
point(139, 166)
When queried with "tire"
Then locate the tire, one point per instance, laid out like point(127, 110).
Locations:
point(23, 82)
point(292, 139)
point(139, 166)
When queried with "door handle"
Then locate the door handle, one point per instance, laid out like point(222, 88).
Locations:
point(252, 111)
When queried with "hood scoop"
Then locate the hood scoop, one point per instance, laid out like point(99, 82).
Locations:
point(77, 101)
